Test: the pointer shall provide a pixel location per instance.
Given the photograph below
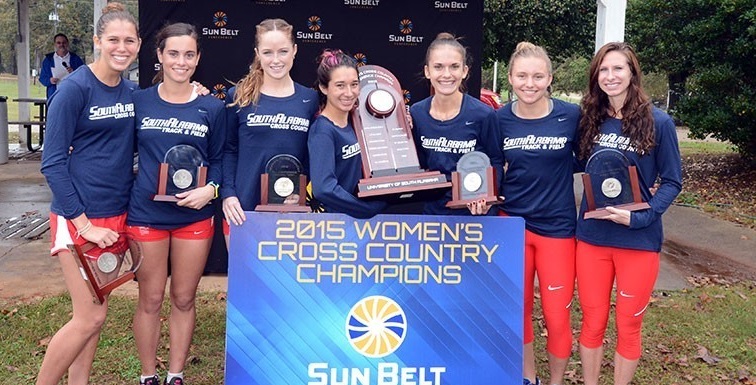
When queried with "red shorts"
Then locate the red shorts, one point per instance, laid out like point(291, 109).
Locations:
point(197, 230)
point(60, 239)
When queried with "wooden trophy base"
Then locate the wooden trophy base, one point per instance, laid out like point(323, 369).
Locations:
point(161, 195)
point(602, 212)
point(490, 196)
point(401, 184)
point(299, 207)
point(635, 205)
point(99, 290)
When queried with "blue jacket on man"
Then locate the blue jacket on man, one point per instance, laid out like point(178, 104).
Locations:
point(46, 73)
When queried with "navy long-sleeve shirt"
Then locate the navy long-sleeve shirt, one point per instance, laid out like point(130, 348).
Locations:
point(441, 144)
point(160, 125)
point(336, 169)
point(645, 231)
point(97, 121)
point(257, 133)
point(539, 154)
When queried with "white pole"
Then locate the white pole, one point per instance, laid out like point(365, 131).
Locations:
point(97, 5)
point(610, 21)
point(22, 63)
point(496, 72)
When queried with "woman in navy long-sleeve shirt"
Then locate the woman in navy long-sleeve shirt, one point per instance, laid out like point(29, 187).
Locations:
point(335, 159)
point(623, 246)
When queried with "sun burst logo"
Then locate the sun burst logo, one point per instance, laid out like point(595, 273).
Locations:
point(314, 23)
point(405, 26)
point(219, 91)
point(360, 58)
point(407, 96)
point(220, 19)
point(376, 326)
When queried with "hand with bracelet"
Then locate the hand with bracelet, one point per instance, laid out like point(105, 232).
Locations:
point(101, 236)
point(198, 197)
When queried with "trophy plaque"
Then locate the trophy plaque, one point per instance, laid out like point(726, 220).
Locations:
point(474, 179)
point(283, 185)
point(183, 169)
point(106, 269)
point(389, 159)
point(610, 180)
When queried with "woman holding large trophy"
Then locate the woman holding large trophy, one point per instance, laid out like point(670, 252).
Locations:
point(88, 161)
point(269, 114)
point(620, 126)
point(180, 138)
point(539, 141)
point(334, 148)
point(451, 123)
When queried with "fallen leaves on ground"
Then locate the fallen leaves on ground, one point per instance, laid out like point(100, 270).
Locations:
point(721, 184)
point(705, 356)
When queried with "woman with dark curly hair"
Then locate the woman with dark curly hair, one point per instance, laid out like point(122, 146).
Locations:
point(624, 245)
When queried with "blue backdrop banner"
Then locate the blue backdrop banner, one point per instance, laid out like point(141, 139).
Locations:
point(395, 300)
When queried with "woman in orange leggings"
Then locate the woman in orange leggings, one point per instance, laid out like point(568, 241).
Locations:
point(538, 187)
point(622, 247)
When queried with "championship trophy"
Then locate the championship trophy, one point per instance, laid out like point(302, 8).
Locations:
point(106, 269)
point(283, 186)
point(389, 159)
point(183, 169)
point(474, 179)
point(610, 180)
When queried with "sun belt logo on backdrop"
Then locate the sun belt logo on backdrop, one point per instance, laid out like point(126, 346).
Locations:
point(219, 91)
point(218, 31)
point(406, 38)
point(361, 59)
point(314, 35)
point(407, 96)
point(362, 4)
point(220, 19)
point(450, 6)
point(376, 326)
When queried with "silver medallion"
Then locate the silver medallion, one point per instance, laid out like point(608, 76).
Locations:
point(283, 187)
point(107, 262)
point(472, 181)
point(611, 187)
point(182, 178)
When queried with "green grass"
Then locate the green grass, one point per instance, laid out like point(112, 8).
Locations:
point(692, 148)
point(9, 88)
point(678, 324)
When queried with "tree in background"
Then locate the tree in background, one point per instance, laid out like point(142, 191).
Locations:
point(571, 76)
point(563, 27)
point(708, 48)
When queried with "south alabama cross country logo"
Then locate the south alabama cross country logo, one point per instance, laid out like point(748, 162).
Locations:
point(376, 326)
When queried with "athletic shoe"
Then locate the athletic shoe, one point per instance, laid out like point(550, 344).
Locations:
point(525, 381)
point(154, 380)
point(175, 381)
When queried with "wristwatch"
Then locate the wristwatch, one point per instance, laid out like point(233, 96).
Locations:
point(215, 188)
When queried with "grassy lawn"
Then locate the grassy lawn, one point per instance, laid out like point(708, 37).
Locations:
point(693, 148)
point(9, 88)
point(705, 335)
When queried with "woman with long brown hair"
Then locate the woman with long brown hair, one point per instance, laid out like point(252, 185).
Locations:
point(624, 245)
